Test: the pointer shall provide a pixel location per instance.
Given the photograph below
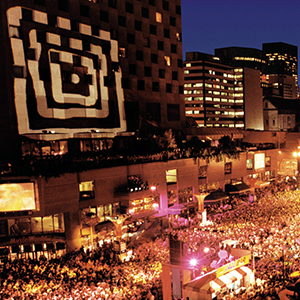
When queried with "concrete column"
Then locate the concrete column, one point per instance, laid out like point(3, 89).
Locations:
point(72, 230)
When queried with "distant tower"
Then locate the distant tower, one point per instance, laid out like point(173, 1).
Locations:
point(281, 59)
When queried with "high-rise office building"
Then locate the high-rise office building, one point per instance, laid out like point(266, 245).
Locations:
point(75, 73)
point(281, 59)
point(278, 63)
point(219, 95)
point(241, 57)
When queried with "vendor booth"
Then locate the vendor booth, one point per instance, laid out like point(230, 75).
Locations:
point(207, 286)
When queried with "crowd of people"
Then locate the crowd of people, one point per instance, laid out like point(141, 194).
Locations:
point(269, 227)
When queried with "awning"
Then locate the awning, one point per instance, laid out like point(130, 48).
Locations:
point(260, 184)
point(230, 277)
point(215, 197)
point(210, 281)
point(176, 209)
point(237, 188)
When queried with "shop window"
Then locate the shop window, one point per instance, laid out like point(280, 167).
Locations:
point(171, 176)
point(202, 188)
point(145, 204)
point(36, 225)
point(185, 195)
point(228, 168)
point(213, 186)
point(85, 145)
point(48, 224)
point(202, 172)
point(268, 161)
point(86, 190)
point(172, 197)
point(58, 222)
point(249, 164)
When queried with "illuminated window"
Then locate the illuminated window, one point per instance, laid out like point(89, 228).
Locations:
point(122, 52)
point(171, 176)
point(158, 17)
point(249, 164)
point(167, 60)
point(228, 168)
point(186, 71)
point(86, 190)
point(197, 84)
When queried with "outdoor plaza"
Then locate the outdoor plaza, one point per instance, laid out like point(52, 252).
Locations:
point(268, 228)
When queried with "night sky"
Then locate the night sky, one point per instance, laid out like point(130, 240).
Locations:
point(211, 24)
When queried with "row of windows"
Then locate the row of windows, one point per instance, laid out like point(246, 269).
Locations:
point(212, 99)
point(156, 86)
point(148, 72)
point(139, 55)
point(63, 5)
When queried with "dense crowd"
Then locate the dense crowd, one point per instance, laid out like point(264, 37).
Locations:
point(85, 275)
point(269, 227)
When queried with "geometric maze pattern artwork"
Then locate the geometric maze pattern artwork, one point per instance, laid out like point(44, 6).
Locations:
point(66, 75)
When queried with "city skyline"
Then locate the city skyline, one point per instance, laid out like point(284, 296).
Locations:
point(208, 25)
